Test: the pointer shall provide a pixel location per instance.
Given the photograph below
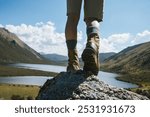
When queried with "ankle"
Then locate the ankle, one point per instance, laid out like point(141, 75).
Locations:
point(71, 44)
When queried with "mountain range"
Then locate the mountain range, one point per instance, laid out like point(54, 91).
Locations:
point(61, 58)
point(55, 57)
point(132, 59)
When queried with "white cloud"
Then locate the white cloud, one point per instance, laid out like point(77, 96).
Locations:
point(143, 34)
point(119, 38)
point(118, 42)
point(115, 42)
point(43, 37)
point(106, 46)
point(141, 37)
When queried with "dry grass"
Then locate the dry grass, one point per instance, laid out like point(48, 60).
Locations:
point(9, 91)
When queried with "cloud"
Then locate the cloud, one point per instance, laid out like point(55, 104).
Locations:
point(142, 37)
point(115, 42)
point(43, 37)
point(118, 42)
point(106, 46)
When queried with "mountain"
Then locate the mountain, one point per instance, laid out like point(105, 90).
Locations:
point(12, 49)
point(131, 59)
point(62, 60)
point(104, 56)
point(55, 57)
point(133, 63)
point(79, 86)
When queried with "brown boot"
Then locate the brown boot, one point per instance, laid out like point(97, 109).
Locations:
point(73, 62)
point(90, 55)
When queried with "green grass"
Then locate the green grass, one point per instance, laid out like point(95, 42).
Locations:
point(13, 91)
point(12, 71)
point(141, 79)
point(143, 90)
point(137, 76)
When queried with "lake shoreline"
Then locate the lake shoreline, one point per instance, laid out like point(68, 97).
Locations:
point(29, 70)
point(23, 72)
point(142, 80)
point(6, 70)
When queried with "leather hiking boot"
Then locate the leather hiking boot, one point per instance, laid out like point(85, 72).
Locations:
point(90, 55)
point(73, 62)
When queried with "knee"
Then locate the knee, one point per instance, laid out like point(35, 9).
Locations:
point(73, 19)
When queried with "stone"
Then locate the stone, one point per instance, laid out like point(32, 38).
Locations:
point(79, 86)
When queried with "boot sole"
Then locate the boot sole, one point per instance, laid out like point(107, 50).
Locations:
point(91, 62)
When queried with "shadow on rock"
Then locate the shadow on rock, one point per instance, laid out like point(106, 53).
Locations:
point(62, 86)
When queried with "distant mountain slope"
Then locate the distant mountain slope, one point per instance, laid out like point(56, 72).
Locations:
point(12, 49)
point(132, 59)
point(104, 56)
point(63, 60)
point(55, 57)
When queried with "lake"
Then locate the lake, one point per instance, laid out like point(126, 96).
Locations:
point(109, 78)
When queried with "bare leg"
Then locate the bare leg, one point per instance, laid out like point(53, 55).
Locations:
point(71, 27)
point(71, 41)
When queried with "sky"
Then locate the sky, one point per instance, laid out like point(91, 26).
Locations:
point(41, 24)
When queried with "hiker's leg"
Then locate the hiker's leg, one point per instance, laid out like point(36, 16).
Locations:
point(93, 15)
point(73, 15)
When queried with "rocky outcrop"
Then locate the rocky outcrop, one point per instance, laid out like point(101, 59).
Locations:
point(78, 86)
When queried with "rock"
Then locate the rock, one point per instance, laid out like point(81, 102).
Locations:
point(78, 86)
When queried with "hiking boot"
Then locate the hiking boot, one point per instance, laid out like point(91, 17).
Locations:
point(73, 62)
point(90, 55)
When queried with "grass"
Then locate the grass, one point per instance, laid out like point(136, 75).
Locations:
point(141, 79)
point(12, 71)
point(143, 90)
point(137, 76)
point(14, 91)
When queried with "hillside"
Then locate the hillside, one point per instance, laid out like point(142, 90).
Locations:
point(55, 57)
point(104, 56)
point(131, 59)
point(12, 49)
point(63, 60)
point(133, 63)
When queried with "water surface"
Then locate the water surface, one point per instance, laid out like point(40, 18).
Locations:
point(109, 78)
